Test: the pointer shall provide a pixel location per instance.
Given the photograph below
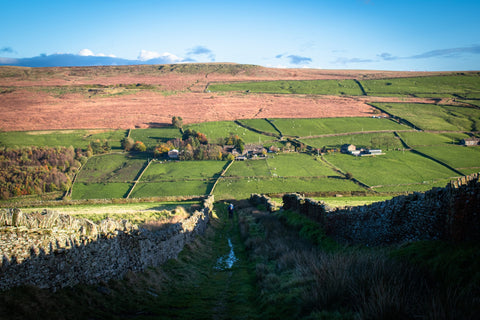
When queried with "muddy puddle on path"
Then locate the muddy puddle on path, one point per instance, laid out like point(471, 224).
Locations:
point(227, 261)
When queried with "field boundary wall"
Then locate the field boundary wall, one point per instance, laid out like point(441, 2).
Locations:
point(451, 213)
point(50, 250)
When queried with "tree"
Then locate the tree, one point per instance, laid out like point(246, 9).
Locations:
point(127, 143)
point(139, 146)
point(177, 122)
point(349, 175)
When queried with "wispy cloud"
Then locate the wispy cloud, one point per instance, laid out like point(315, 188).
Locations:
point(201, 51)
point(441, 53)
point(294, 59)
point(7, 50)
point(343, 60)
point(447, 53)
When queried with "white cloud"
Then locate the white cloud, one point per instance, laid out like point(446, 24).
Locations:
point(85, 53)
point(149, 55)
point(88, 53)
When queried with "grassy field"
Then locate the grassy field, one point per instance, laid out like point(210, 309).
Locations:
point(173, 188)
point(312, 127)
point(463, 159)
point(439, 86)
point(416, 138)
point(186, 170)
point(66, 138)
point(153, 136)
point(222, 129)
point(435, 117)
point(327, 87)
point(383, 141)
point(232, 188)
point(259, 124)
point(393, 168)
point(111, 168)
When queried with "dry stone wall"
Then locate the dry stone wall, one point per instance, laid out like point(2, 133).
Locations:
point(450, 213)
point(49, 250)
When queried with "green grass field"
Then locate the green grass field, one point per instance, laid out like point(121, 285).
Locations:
point(436, 86)
point(172, 188)
point(393, 168)
point(109, 190)
point(259, 124)
point(327, 87)
point(463, 159)
point(313, 127)
point(182, 170)
point(415, 138)
point(366, 140)
point(153, 136)
point(111, 168)
point(222, 129)
point(435, 117)
point(55, 138)
point(230, 188)
point(298, 165)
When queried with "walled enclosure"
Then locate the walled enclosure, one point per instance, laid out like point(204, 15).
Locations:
point(450, 213)
point(49, 250)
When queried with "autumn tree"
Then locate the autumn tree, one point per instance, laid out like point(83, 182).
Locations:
point(139, 146)
point(127, 143)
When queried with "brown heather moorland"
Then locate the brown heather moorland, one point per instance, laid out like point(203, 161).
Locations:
point(146, 96)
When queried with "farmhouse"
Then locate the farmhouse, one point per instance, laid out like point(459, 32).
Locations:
point(470, 142)
point(173, 154)
point(352, 149)
point(348, 148)
point(254, 150)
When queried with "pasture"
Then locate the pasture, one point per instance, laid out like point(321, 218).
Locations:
point(416, 138)
point(464, 159)
point(111, 168)
point(324, 87)
point(233, 188)
point(314, 127)
point(435, 117)
point(459, 85)
point(393, 168)
point(60, 138)
point(153, 136)
point(383, 141)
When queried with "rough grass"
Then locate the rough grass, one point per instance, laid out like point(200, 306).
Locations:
point(302, 274)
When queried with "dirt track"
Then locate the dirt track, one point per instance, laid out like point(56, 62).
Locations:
point(24, 106)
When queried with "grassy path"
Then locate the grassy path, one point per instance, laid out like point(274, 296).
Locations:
point(202, 284)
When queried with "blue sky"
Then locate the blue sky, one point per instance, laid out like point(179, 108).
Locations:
point(337, 34)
